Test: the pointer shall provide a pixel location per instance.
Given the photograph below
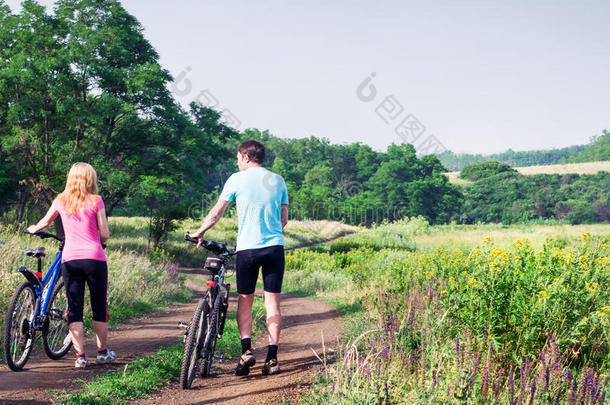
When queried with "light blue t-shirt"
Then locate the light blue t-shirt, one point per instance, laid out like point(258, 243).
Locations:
point(259, 195)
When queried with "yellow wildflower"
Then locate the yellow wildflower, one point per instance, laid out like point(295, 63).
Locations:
point(606, 309)
point(543, 294)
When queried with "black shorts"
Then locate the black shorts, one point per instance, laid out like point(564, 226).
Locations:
point(93, 272)
point(270, 258)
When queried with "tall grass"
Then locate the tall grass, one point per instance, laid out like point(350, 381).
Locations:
point(530, 303)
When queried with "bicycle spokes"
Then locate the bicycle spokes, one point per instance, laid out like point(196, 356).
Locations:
point(20, 328)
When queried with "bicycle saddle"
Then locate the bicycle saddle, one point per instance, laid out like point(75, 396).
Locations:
point(35, 252)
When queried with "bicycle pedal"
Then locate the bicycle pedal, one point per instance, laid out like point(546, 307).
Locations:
point(183, 327)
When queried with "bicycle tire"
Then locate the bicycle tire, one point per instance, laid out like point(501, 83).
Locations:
point(223, 314)
point(55, 335)
point(18, 335)
point(194, 342)
point(210, 343)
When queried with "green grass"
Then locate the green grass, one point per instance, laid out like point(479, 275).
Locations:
point(136, 380)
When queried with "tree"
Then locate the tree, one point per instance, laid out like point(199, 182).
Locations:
point(481, 170)
point(84, 84)
point(408, 186)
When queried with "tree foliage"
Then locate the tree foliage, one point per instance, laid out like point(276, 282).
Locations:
point(83, 84)
point(510, 197)
point(597, 150)
point(477, 171)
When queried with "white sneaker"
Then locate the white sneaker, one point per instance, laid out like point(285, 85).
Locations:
point(106, 358)
point(81, 362)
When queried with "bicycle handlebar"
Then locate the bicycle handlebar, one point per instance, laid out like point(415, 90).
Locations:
point(219, 248)
point(44, 235)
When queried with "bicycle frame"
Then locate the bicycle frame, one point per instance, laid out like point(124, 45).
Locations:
point(43, 288)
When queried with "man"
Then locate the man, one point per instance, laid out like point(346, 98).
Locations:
point(262, 208)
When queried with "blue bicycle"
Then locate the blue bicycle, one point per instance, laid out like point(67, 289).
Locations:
point(39, 304)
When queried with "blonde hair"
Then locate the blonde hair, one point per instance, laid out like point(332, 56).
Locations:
point(81, 184)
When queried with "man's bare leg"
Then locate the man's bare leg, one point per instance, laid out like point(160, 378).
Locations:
point(274, 317)
point(244, 315)
point(244, 323)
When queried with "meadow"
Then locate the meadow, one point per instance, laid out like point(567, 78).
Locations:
point(566, 168)
point(458, 314)
point(447, 319)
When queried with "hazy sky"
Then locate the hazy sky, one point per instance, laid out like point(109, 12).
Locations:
point(481, 76)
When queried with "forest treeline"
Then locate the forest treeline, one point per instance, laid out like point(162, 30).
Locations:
point(81, 83)
point(356, 184)
point(598, 149)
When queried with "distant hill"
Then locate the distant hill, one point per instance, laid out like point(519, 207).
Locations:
point(598, 149)
point(566, 168)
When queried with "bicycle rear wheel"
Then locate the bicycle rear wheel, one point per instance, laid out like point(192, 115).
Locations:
point(18, 332)
point(55, 336)
point(198, 329)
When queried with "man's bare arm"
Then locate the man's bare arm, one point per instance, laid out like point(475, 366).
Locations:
point(211, 219)
point(284, 215)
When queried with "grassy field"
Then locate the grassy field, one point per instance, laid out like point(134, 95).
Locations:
point(567, 168)
point(439, 314)
point(132, 234)
point(448, 319)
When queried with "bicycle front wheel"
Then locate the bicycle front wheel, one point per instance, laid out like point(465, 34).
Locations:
point(18, 332)
point(55, 336)
point(224, 306)
point(198, 329)
point(210, 342)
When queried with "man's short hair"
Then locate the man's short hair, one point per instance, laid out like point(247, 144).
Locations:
point(253, 149)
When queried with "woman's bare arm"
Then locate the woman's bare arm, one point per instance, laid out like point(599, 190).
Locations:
point(102, 226)
point(45, 221)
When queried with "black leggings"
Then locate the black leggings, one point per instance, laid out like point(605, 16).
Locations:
point(95, 274)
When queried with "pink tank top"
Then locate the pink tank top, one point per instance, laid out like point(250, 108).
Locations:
point(81, 232)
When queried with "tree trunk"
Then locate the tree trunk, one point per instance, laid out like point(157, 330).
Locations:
point(47, 170)
point(59, 227)
point(23, 199)
point(111, 123)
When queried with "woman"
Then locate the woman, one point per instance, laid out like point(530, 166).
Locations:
point(83, 260)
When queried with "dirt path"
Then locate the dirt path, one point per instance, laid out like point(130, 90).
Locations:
point(132, 340)
point(304, 322)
